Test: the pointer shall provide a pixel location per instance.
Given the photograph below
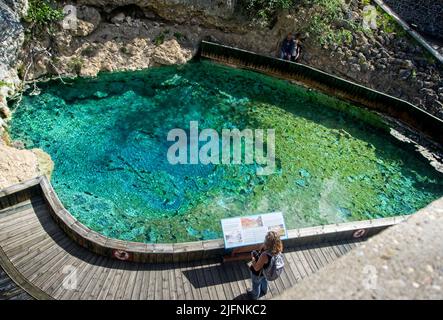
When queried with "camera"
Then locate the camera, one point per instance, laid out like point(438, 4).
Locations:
point(256, 254)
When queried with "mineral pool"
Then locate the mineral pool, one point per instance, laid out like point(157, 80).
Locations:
point(108, 139)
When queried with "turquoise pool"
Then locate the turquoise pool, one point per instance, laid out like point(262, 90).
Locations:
point(107, 138)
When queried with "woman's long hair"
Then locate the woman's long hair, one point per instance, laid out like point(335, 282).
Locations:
point(273, 243)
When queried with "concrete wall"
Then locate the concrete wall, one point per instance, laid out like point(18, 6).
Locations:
point(403, 262)
point(426, 14)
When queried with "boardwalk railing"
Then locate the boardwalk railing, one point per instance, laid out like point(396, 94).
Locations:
point(388, 105)
point(174, 252)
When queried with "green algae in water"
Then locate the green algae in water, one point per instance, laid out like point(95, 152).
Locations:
point(107, 137)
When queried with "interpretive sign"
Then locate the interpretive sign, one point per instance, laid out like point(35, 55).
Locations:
point(250, 230)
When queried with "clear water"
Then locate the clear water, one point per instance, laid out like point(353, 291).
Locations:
point(107, 137)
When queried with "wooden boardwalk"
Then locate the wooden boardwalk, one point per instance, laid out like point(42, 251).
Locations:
point(9, 290)
point(38, 256)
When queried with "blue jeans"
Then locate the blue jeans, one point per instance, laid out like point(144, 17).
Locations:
point(284, 55)
point(259, 286)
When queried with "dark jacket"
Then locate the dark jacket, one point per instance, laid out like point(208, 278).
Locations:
point(288, 46)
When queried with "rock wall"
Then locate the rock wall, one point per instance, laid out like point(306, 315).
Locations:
point(214, 13)
point(11, 40)
point(403, 262)
point(21, 165)
point(427, 15)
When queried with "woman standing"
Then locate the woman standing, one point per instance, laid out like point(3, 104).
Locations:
point(297, 48)
point(262, 260)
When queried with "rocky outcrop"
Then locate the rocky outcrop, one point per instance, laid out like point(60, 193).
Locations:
point(20, 165)
point(88, 19)
point(19, 7)
point(127, 46)
point(170, 53)
point(208, 13)
point(133, 34)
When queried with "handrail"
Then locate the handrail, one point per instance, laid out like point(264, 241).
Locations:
point(409, 30)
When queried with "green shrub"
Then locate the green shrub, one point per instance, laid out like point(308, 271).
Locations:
point(264, 11)
point(322, 26)
point(388, 24)
point(159, 39)
point(5, 84)
point(88, 51)
point(124, 50)
point(76, 64)
point(43, 12)
point(179, 36)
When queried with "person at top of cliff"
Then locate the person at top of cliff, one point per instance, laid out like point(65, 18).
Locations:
point(287, 47)
point(295, 55)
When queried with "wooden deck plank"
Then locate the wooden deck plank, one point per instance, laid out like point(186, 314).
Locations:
point(139, 279)
point(294, 265)
point(342, 248)
point(208, 280)
point(18, 255)
point(336, 251)
point(241, 276)
point(77, 262)
point(31, 266)
point(151, 286)
point(116, 281)
point(40, 257)
point(200, 281)
point(180, 291)
point(318, 256)
point(173, 283)
point(165, 281)
point(83, 275)
point(91, 279)
point(21, 218)
point(158, 291)
point(227, 287)
point(129, 290)
point(187, 285)
point(219, 283)
point(308, 264)
point(291, 268)
point(101, 291)
point(236, 289)
point(313, 264)
point(301, 263)
point(54, 269)
point(126, 286)
point(324, 251)
point(21, 215)
point(17, 207)
point(145, 284)
point(13, 236)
